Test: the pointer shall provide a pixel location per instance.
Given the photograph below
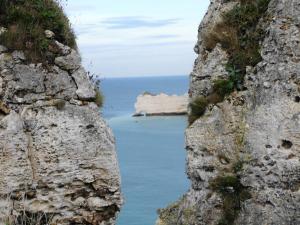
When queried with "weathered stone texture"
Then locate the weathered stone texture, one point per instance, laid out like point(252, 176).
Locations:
point(57, 155)
point(259, 126)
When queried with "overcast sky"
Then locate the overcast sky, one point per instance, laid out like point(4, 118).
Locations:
point(120, 38)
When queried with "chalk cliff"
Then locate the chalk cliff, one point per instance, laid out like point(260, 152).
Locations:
point(160, 105)
point(58, 163)
point(243, 152)
point(58, 156)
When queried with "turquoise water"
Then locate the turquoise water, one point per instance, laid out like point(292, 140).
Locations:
point(150, 150)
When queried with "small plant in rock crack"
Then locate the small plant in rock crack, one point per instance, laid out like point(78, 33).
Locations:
point(198, 107)
point(235, 76)
point(99, 98)
point(28, 218)
point(94, 79)
point(240, 35)
point(233, 194)
point(17, 214)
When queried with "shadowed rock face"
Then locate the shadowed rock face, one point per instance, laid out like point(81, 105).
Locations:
point(259, 127)
point(58, 162)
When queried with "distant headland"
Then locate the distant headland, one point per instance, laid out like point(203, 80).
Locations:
point(148, 104)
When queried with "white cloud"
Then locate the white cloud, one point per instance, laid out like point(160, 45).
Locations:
point(135, 42)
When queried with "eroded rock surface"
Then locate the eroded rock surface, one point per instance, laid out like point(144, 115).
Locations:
point(57, 155)
point(258, 127)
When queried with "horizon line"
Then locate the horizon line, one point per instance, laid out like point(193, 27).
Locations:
point(142, 76)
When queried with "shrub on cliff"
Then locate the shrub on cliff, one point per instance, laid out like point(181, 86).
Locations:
point(99, 98)
point(233, 194)
point(27, 20)
point(239, 34)
point(198, 108)
point(169, 215)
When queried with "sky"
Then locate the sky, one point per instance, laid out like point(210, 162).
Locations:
point(124, 38)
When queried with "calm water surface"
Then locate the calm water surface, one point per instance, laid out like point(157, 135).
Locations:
point(150, 150)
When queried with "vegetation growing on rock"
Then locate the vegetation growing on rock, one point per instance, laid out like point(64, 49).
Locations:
point(99, 98)
point(252, 146)
point(232, 191)
point(27, 218)
point(240, 35)
point(26, 22)
point(198, 108)
point(169, 215)
point(233, 194)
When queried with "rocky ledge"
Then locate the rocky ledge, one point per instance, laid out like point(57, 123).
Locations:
point(58, 163)
point(160, 105)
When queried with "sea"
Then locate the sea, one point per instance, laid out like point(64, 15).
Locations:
point(150, 149)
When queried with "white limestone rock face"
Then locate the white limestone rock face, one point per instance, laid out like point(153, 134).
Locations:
point(259, 127)
point(212, 67)
point(161, 104)
point(57, 155)
point(85, 89)
point(49, 34)
point(70, 62)
point(64, 50)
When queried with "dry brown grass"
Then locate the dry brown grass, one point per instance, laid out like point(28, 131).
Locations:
point(26, 22)
point(239, 34)
point(21, 216)
point(24, 217)
point(223, 34)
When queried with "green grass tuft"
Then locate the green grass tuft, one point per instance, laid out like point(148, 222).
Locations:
point(240, 35)
point(223, 87)
point(198, 107)
point(26, 21)
point(233, 194)
point(99, 98)
point(238, 166)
